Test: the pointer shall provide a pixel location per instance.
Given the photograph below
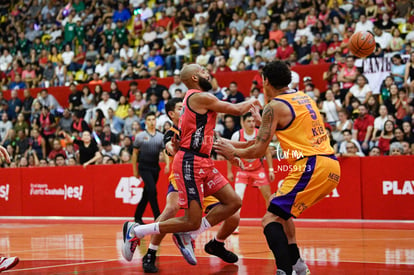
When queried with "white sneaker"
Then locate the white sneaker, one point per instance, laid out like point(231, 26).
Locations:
point(7, 263)
point(184, 242)
point(130, 241)
point(301, 268)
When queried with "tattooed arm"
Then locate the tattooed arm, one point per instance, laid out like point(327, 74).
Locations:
point(264, 136)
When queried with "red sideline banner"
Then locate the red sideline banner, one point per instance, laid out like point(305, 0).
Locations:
point(388, 188)
point(243, 79)
point(370, 188)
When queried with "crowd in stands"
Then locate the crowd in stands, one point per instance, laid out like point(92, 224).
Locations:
point(47, 43)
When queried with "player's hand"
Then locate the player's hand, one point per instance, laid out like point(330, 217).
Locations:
point(167, 169)
point(230, 176)
point(271, 176)
point(226, 149)
point(256, 115)
point(236, 161)
point(85, 165)
point(175, 143)
point(255, 102)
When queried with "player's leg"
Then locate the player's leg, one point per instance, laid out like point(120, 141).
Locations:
point(170, 210)
point(230, 203)
point(240, 187)
point(266, 193)
point(146, 176)
point(152, 195)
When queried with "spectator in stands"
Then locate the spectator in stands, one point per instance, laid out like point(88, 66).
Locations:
point(109, 149)
point(75, 98)
point(17, 83)
point(409, 74)
point(57, 150)
point(155, 88)
point(396, 149)
point(182, 46)
point(234, 96)
point(78, 123)
point(37, 144)
point(115, 122)
point(107, 103)
point(177, 84)
point(230, 126)
point(122, 110)
point(343, 123)
point(374, 152)
point(397, 70)
point(216, 90)
point(330, 107)
point(348, 74)
point(65, 122)
point(154, 62)
point(115, 93)
point(129, 120)
point(396, 43)
point(364, 24)
point(387, 134)
point(5, 126)
point(363, 127)
point(284, 50)
point(15, 104)
point(379, 122)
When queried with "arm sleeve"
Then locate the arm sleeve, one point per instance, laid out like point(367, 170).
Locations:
point(138, 141)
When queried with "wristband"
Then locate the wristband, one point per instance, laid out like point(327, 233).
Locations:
point(271, 170)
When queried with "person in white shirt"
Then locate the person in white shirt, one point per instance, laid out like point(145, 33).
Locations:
point(351, 150)
point(107, 103)
point(237, 23)
point(382, 38)
point(126, 53)
point(109, 149)
point(178, 84)
point(294, 83)
point(364, 24)
point(203, 58)
point(67, 55)
point(5, 61)
point(361, 90)
point(330, 107)
point(348, 138)
point(236, 55)
point(379, 122)
point(102, 68)
point(182, 46)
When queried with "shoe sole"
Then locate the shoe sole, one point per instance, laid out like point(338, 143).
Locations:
point(123, 247)
point(13, 264)
point(184, 251)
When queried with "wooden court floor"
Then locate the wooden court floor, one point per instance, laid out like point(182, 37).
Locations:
point(62, 246)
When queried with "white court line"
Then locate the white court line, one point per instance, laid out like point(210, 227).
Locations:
point(150, 219)
point(61, 265)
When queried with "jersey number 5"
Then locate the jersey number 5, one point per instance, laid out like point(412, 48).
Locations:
point(311, 111)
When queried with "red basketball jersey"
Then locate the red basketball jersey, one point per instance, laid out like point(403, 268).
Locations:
point(250, 164)
point(197, 130)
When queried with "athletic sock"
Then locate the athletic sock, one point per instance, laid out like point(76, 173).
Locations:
point(294, 253)
point(218, 240)
point(147, 229)
point(278, 243)
point(205, 225)
point(153, 247)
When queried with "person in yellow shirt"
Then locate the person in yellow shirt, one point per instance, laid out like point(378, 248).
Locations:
point(122, 109)
point(313, 168)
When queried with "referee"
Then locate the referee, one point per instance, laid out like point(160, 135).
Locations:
point(147, 147)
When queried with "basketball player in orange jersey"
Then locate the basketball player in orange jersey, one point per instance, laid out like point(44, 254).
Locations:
point(253, 171)
point(193, 168)
point(298, 125)
point(173, 110)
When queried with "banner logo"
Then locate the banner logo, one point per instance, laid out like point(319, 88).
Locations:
point(4, 192)
point(128, 190)
point(68, 192)
point(396, 188)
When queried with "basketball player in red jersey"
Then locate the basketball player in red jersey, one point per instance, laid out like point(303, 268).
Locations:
point(193, 168)
point(253, 171)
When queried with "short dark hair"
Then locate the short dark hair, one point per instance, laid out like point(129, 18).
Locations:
point(149, 114)
point(246, 116)
point(60, 155)
point(277, 73)
point(133, 83)
point(170, 106)
point(347, 131)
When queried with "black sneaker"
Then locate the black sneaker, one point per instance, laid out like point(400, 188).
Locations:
point(148, 263)
point(216, 248)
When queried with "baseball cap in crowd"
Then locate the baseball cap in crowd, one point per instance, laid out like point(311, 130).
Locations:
point(307, 78)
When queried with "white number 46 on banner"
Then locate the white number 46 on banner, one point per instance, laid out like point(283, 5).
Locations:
point(129, 191)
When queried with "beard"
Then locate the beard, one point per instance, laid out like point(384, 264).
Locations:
point(204, 84)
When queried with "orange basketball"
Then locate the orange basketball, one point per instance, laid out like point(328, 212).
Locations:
point(362, 44)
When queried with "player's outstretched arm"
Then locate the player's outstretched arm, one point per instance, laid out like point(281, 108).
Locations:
point(264, 136)
point(204, 102)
